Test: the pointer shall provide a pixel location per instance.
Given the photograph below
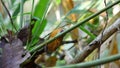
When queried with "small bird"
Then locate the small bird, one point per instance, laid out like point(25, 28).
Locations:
point(52, 46)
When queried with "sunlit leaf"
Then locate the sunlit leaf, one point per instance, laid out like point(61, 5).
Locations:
point(41, 8)
point(40, 12)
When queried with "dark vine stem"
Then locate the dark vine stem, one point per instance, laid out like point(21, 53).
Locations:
point(106, 22)
point(8, 14)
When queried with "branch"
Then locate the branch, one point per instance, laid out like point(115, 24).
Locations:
point(96, 43)
point(92, 63)
point(73, 27)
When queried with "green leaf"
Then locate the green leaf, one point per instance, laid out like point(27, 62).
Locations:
point(2, 26)
point(12, 1)
point(58, 2)
point(39, 13)
point(87, 32)
point(17, 10)
point(40, 8)
point(36, 31)
point(39, 27)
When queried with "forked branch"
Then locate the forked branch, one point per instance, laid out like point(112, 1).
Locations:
point(96, 43)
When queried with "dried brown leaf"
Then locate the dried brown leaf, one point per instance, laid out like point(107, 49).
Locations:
point(12, 55)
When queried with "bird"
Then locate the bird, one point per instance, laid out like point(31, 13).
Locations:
point(52, 46)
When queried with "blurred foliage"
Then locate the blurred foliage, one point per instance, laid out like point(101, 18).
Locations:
point(49, 15)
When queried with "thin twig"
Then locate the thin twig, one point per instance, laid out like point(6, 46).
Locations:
point(8, 14)
point(106, 22)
